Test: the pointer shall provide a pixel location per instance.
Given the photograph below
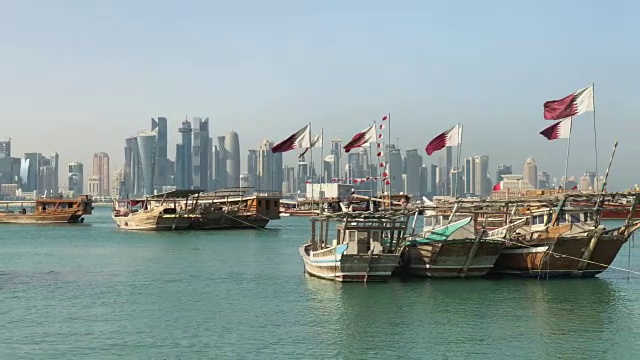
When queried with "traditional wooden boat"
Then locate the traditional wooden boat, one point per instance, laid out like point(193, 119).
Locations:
point(167, 211)
point(48, 211)
point(450, 249)
point(366, 248)
point(235, 208)
point(566, 242)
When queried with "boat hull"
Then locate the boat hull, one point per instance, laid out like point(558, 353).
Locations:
point(446, 259)
point(349, 268)
point(220, 220)
point(153, 222)
point(45, 218)
point(559, 259)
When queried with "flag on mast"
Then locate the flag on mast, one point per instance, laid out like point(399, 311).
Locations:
point(366, 136)
point(297, 140)
point(559, 130)
point(316, 142)
point(451, 137)
point(577, 103)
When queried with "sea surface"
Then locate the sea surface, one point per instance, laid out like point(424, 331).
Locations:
point(90, 291)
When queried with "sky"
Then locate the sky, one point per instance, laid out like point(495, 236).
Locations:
point(78, 77)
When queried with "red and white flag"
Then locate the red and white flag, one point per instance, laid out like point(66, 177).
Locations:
point(385, 117)
point(575, 104)
point(380, 154)
point(559, 130)
point(364, 137)
point(298, 140)
point(381, 126)
point(381, 164)
point(316, 142)
point(451, 137)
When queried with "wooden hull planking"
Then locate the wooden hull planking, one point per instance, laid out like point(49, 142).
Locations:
point(58, 217)
point(559, 259)
point(219, 220)
point(446, 259)
point(350, 268)
point(153, 222)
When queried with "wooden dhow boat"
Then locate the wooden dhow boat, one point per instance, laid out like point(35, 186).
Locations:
point(48, 211)
point(365, 248)
point(166, 211)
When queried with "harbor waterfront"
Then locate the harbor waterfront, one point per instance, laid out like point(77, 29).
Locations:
point(91, 291)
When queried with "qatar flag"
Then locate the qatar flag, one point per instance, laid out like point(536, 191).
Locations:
point(364, 137)
point(559, 130)
point(451, 137)
point(385, 117)
point(299, 139)
point(575, 104)
point(498, 186)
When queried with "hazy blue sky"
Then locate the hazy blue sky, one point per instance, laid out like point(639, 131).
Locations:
point(78, 76)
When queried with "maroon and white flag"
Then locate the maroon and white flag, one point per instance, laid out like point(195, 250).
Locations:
point(299, 140)
point(451, 137)
point(575, 104)
point(364, 137)
point(385, 117)
point(559, 130)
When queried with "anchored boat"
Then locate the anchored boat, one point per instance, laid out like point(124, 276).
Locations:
point(48, 211)
point(365, 247)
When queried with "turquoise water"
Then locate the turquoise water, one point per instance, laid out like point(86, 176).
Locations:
point(93, 292)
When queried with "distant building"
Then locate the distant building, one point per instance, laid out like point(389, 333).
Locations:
point(132, 167)
point(201, 151)
point(118, 189)
point(94, 185)
point(5, 148)
point(252, 167)
point(184, 158)
point(503, 170)
point(103, 174)
point(585, 183)
point(31, 177)
point(146, 149)
point(433, 180)
point(544, 180)
point(231, 159)
point(75, 178)
point(413, 171)
point(395, 167)
point(270, 176)
point(481, 175)
point(160, 161)
point(531, 172)
point(336, 151)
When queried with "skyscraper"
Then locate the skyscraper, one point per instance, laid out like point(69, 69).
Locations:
point(394, 167)
point(336, 151)
point(132, 169)
point(252, 168)
point(469, 176)
point(118, 190)
point(147, 150)
point(201, 153)
point(101, 170)
point(265, 166)
point(33, 172)
point(161, 172)
point(5, 148)
point(544, 180)
point(413, 162)
point(503, 170)
point(184, 158)
point(433, 179)
point(448, 160)
point(303, 175)
point(232, 157)
point(531, 172)
point(220, 164)
point(76, 178)
point(481, 175)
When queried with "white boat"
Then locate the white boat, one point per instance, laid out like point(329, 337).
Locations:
point(366, 248)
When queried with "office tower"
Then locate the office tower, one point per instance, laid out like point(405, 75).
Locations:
point(413, 161)
point(132, 170)
point(232, 151)
point(252, 168)
point(171, 172)
point(201, 153)
point(303, 175)
point(481, 175)
point(278, 172)
point(265, 166)
point(469, 176)
point(503, 170)
point(161, 174)
point(592, 178)
point(328, 172)
point(585, 183)
point(244, 180)
point(33, 171)
point(531, 172)
point(9, 170)
point(433, 180)
point(336, 151)
point(101, 170)
point(544, 180)
point(448, 160)
point(424, 181)
point(289, 185)
point(147, 150)
point(5, 148)
point(47, 181)
point(457, 182)
point(365, 165)
point(54, 161)
point(118, 190)
point(184, 157)
point(93, 185)
point(76, 178)
point(220, 154)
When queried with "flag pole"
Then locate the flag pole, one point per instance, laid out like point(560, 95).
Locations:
point(595, 136)
point(321, 168)
point(310, 169)
point(566, 165)
point(459, 152)
point(389, 159)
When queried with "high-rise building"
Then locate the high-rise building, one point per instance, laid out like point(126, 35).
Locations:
point(201, 153)
point(585, 183)
point(289, 184)
point(424, 180)
point(9, 170)
point(101, 170)
point(161, 172)
point(47, 181)
point(531, 172)
point(252, 168)
point(220, 164)
point(503, 170)
point(544, 180)
point(433, 180)
point(336, 151)
point(592, 179)
point(93, 185)
point(329, 163)
point(76, 178)
point(32, 172)
point(184, 158)
point(413, 162)
point(469, 176)
point(448, 160)
point(118, 190)
point(481, 175)
point(147, 149)
point(244, 180)
point(232, 157)
point(132, 167)
point(303, 175)
point(265, 166)
point(457, 181)
point(395, 170)
point(5, 148)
